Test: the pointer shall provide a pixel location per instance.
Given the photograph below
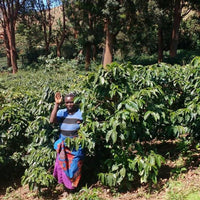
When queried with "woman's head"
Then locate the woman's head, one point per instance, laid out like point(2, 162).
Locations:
point(69, 103)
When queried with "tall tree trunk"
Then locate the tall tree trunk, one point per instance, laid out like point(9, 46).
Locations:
point(175, 28)
point(8, 58)
point(87, 56)
point(107, 58)
point(59, 45)
point(10, 31)
point(9, 10)
point(6, 43)
point(13, 52)
point(160, 44)
point(45, 12)
point(58, 50)
point(62, 33)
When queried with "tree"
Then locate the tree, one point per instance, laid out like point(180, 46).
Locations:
point(175, 28)
point(94, 19)
point(108, 54)
point(87, 26)
point(29, 37)
point(178, 16)
point(91, 29)
point(126, 25)
point(160, 14)
point(111, 28)
point(43, 9)
point(61, 30)
point(10, 10)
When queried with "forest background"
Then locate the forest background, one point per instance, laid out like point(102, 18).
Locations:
point(133, 64)
point(100, 31)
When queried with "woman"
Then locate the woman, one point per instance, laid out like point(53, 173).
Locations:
point(68, 163)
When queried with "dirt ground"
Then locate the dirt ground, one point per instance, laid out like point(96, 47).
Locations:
point(189, 179)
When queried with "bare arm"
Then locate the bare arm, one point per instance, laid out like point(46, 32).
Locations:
point(58, 100)
point(53, 118)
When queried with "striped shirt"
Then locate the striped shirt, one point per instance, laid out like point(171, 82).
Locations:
point(69, 123)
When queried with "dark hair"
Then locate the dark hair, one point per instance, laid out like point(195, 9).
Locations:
point(71, 94)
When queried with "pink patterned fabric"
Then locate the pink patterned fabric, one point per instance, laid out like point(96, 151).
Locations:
point(60, 175)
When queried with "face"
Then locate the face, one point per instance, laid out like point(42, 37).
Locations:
point(69, 103)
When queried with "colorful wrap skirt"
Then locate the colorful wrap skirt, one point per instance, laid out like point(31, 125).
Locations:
point(67, 169)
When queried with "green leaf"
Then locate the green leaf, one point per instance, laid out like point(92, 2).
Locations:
point(152, 160)
point(122, 172)
point(114, 136)
point(102, 80)
point(115, 167)
point(108, 135)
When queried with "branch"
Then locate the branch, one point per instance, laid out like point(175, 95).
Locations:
point(186, 13)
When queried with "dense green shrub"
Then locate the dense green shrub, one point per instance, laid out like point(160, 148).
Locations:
point(27, 138)
point(124, 107)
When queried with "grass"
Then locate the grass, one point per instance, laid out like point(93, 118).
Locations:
point(183, 189)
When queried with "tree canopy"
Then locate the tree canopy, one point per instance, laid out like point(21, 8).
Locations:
point(101, 30)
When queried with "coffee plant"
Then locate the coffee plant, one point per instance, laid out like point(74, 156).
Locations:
point(27, 138)
point(125, 107)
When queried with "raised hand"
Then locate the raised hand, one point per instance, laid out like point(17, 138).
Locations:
point(58, 98)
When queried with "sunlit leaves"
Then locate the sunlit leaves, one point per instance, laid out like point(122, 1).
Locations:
point(147, 166)
point(123, 107)
point(142, 103)
point(26, 137)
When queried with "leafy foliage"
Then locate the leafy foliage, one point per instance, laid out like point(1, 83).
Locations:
point(26, 135)
point(124, 107)
point(87, 193)
point(127, 104)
